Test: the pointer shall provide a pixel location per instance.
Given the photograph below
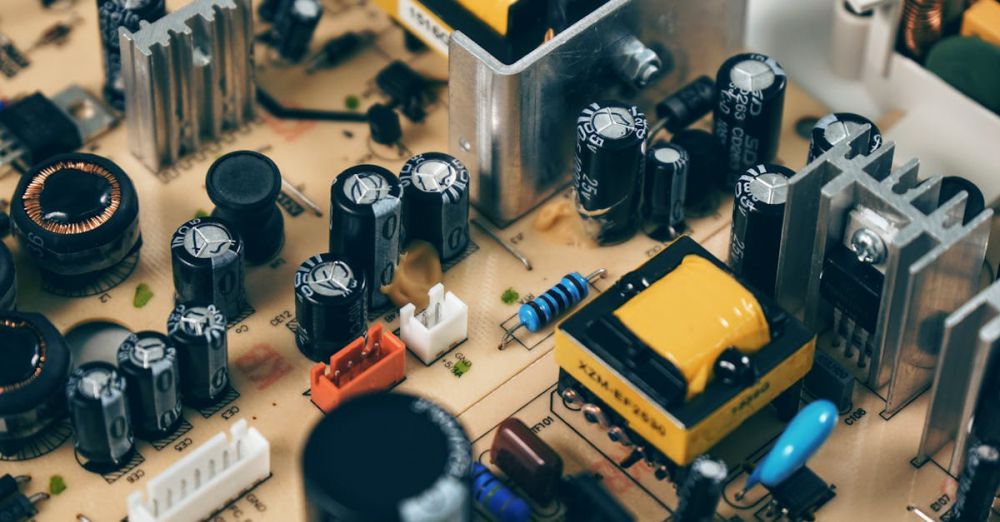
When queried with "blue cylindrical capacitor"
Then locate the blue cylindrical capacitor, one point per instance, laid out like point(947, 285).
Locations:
point(496, 498)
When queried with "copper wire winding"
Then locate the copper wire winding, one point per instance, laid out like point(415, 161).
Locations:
point(921, 25)
point(33, 205)
point(42, 349)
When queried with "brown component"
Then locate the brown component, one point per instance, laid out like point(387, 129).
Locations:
point(527, 459)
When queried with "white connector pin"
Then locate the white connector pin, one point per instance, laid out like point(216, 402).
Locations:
point(444, 324)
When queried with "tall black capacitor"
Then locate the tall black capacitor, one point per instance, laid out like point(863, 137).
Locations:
point(330, 305)
point(149, 364)
point(750, 102)
point(758, 215)
point(977, 485)
point(701, 490)
point(436, 202)
point(294, 28)
point(207, 259)
point(98, 410)
point(199, 335)
point(8, 283)
point(245, 185)
point(112, 15)
point(664, 190)
point(607, 169)
point(365, 225)
point(834, 128)
point(706, 169)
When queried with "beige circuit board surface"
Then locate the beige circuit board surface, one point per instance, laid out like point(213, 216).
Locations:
point(867, 458)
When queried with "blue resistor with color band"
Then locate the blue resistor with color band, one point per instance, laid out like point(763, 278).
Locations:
point(502, 503)
point(539, 312)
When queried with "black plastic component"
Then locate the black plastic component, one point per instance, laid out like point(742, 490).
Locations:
point(734, 368)
point(383, 122)
point(294, 28)
point(32, 376)
point(149, 363)
point(337, 50)
point(664, 191)
point(199, 335)
point(758, 216)
point(10, 485)
point(331, 305)
point(688, 105)
point(268, 10)
point(99, 412)
point(802, 494)
point(208, 265)
point(76, 214)
point(244, 185)
point(750, 103)
point(366, 223)
point(852, 286)
point(20, 508)
point(829, 380)
point(975, 203)
point(406, 87)
point(587, 500)
point(608, 169)
point(111, 16)
point(40, 127)
point(701, 490)
point(8, 281)
point(977, 485)
point(437, 476)
point(834, 128)
point(4, 224)
point(707, 168)
point(436, 202)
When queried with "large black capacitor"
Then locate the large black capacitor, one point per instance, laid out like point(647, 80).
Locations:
point(244, 186)
point(701, 490)
point(365, 225)
point(294, 28)
point(207, 259)
point(77, 214)
point(32, 375)
point(436, 202)
point(977, 485)
point(664, 189)
point(706, 169)
point(98, 410)
point(113, 15)
point(331, 305)
point(8, 281)
point(149, 364)
point(750, 102)
point(758, 215)
point(198, 333)
point(435, 484)
point(607, 169)
point(837, 127)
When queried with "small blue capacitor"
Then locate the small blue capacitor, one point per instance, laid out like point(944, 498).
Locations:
point(502, 503)
point(566, 294)
point(800, 440)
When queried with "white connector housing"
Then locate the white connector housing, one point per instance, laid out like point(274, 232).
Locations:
point(206, 479)
point(437, 329)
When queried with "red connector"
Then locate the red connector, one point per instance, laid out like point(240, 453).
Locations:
point(365, 365)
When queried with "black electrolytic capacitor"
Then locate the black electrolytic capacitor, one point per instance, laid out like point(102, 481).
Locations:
point(758, 216)
point(750, 102)
point(294, 28)
point(244, 186)
point(687, 105)
point(977, 485)
point(111, 16)
point(365, 225)
point(198, 333)
point(837, 127)
point(8, 281)
point(706, 168)
point(149, 364)
point(701, 491)
point(436, 202)
point(208, 266)
point(664, 190)
point(99, 412)
point(331, 305)
point(607, 169)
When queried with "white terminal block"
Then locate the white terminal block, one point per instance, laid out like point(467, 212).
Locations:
point(205, 480)
point(437, 329)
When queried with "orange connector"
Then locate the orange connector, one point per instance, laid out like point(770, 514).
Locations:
point(368, 364)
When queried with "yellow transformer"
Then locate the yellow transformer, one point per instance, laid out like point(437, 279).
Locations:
point(679, 353)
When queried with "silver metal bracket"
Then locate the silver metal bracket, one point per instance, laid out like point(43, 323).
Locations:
point(932, 261)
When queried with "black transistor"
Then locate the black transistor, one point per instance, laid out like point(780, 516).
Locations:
point(802, 494)
point(406, 87)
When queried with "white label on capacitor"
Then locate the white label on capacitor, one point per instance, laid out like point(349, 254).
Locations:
point(428, 27)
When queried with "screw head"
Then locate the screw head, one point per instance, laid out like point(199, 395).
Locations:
point(868, 246)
